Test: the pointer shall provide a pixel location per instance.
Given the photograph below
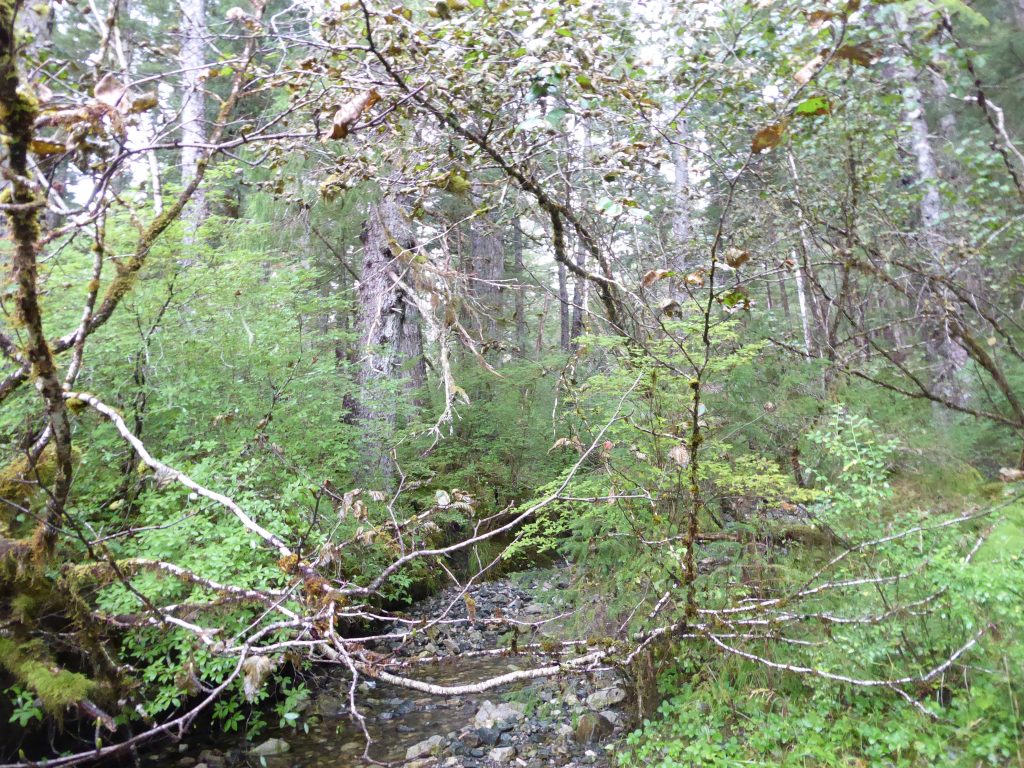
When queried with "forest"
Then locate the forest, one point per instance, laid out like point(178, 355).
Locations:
point(485, 382)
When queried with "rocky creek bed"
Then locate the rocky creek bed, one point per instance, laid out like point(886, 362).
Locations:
point(558, 721)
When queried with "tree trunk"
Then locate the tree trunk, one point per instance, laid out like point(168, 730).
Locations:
point(801, 265)
point(579, 297)
point(565, 337)
point(488, 265)
point(193, 107)
point(682, 228)
point(391, 342)
point(520, 298)
point(945, 356)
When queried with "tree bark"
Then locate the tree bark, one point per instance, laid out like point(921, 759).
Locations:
point(945, 356)
point(391, 341)
point(193, 107)
point(520, 297)
point(565, 335)
point(488, 265)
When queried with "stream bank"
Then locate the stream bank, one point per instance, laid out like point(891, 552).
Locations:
point(559, 721)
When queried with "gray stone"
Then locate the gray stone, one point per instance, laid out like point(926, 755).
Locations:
point(491, 714)
point(606, 697)
point(502, 755)
point(488, 736)
point(271, 747)
point(426, 748)
point(611, 716)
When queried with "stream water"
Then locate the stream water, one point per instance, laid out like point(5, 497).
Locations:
point(552, 722)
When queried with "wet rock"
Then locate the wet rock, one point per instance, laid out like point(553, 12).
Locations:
point(212, 758)
point(426, 748)
point(502, 755)
point(611, 716)
point(470, 739)
point(329, 706)
point(592, 727)
point(271, 747)
point(487, 736)
point(606, 697)
point(490, 714)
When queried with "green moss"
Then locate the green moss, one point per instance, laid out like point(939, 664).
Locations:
point(22, 607)
point(30, 664)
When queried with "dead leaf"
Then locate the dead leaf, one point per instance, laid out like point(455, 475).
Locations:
point(350, 112)
point(768, 137)
point(654, 276)
point(110, 91)
point(696, 278)
point(567, 442)
point(736, 257)
point(859, 54)
point(255, 670)
point(806, 72)
point(817, 19)
point(680, 455)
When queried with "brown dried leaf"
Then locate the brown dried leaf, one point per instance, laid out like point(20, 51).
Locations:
point(806, 72)
point(736, 257)
point(768, 137)
point(680, 455)
point(110, 91)
point(859, 54)
point(817, 19)
point(654, 276)
point(350, 112)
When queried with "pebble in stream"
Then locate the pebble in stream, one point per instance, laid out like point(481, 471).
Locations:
point(562, 722)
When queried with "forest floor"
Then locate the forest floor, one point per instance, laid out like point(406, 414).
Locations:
point(564, 721)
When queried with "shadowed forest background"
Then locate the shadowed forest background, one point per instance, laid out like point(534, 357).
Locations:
point(701, 323)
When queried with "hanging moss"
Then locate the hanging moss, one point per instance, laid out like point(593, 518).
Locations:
point(32, 667)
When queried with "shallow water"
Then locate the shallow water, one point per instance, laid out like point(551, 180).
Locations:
point(409, 717)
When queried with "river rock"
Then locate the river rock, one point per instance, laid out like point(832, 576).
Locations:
point(592, 727)
point(490, 714)
point(606, 697)
point(502, 755)
point(487, 736)
point(212, 758)
point(271, 747)
point(425, 748)
point(611, 716)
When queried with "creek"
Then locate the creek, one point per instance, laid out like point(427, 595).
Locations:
point(559, 721)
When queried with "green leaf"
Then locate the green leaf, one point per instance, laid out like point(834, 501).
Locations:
point(555, 117)
point(813, 107)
